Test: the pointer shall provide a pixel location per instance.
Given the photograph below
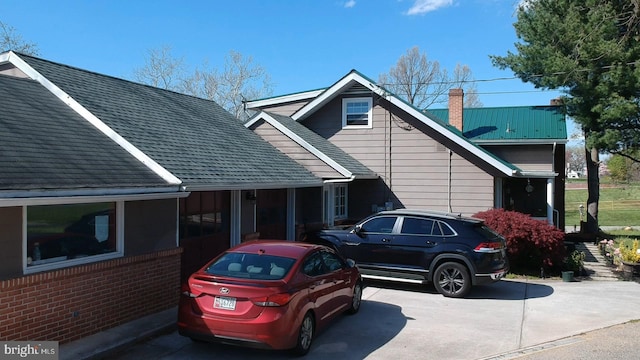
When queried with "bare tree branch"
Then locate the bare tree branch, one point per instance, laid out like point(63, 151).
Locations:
point(11, 40)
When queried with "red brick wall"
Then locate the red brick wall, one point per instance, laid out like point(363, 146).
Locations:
point(67, 304)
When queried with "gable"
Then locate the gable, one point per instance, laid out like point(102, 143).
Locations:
point(356, 83)
point(319, 153)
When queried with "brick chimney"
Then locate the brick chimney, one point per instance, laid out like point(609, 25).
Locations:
point(456, 101)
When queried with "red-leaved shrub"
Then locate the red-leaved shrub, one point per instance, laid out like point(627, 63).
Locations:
point(531, 243)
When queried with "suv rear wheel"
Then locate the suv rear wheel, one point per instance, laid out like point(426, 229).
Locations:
point(452, 279)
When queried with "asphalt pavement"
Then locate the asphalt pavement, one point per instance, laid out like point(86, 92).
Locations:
point(529, 319)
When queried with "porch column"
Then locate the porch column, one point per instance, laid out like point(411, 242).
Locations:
point(236, 216)
point(550, 202)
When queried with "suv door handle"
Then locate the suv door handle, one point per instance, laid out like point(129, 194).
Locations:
point(386, 240)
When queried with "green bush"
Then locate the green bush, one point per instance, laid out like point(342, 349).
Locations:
point(531, 244)
point(629, 252)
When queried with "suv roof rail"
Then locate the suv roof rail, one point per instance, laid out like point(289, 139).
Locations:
point(429, 213)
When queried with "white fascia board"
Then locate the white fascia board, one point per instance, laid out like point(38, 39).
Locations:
point(346, 81)
point(255, 186)
point(310, 148)
point(62, 198)
point(537, 174)
point(4, 57)
point(87, 115)
point(283, 99)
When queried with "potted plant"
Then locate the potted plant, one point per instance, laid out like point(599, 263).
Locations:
point(573, 264)
point(629, 257)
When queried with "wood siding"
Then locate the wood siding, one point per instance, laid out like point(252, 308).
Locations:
point(528, 157)
point(10, 242)
point(286, 109)
point(415, 167)
point(295, 151)
point(150, 226)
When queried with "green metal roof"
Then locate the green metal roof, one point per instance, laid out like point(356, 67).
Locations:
point(511, 123)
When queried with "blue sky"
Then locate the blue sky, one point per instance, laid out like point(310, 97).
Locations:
point(302, 44)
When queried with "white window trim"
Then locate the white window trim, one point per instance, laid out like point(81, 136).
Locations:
point(79, 261)
point(346, 202)
point(369, 102)
point(329, 204)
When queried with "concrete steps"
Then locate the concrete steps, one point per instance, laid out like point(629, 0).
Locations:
point(595, 264)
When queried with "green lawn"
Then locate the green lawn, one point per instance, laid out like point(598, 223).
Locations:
point(618, 206)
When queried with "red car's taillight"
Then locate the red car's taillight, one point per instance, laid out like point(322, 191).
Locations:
point(272, 300)
point(488, 247)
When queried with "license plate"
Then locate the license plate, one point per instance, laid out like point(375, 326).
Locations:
point(225, 303)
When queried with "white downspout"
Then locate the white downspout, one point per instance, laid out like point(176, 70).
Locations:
point(449, 182)
point(551, 188)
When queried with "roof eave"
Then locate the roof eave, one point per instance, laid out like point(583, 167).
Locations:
point(254, 186)
point(276, 100)
point(43, 197)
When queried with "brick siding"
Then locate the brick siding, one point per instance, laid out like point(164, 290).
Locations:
point(67, 304)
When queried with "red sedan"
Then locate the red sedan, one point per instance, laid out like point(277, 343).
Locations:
point(269, 294)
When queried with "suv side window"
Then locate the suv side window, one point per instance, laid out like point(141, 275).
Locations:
point(446, 229)
point(382, 224)
point(415, 226)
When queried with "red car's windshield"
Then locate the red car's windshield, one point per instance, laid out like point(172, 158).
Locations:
point(254, 266)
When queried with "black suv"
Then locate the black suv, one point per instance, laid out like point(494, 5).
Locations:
point(452, 251)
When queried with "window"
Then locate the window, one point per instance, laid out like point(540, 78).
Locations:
point(331, 261)
point(356, 113)
point(340, 201)
point(244, 265)
point(314, 265)
point(415, 226)
point(64, 233)
point(383, 224)
point(201, 214)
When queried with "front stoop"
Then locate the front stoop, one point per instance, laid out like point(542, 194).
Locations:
point(595, 264)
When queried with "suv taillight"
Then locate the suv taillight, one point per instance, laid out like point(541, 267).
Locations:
point(488, 247)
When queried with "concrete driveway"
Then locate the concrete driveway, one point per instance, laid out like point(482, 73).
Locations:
point(497, 321)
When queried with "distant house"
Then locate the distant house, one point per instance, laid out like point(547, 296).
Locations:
point(112, 191)
point(572, 174)
point(454, 160)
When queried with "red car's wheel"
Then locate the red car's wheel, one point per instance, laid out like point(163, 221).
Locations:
point(356, 300)
point(305, 335)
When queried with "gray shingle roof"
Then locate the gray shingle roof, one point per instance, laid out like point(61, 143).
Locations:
point(325, 146)
point(44, 145)
point(195, 139)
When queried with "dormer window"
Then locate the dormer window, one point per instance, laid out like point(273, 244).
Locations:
point(356, 113)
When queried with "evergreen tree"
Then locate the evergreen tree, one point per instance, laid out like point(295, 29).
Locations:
point(590, 50)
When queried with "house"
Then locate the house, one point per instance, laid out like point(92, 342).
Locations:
point(454, 160)
point(111, 192)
